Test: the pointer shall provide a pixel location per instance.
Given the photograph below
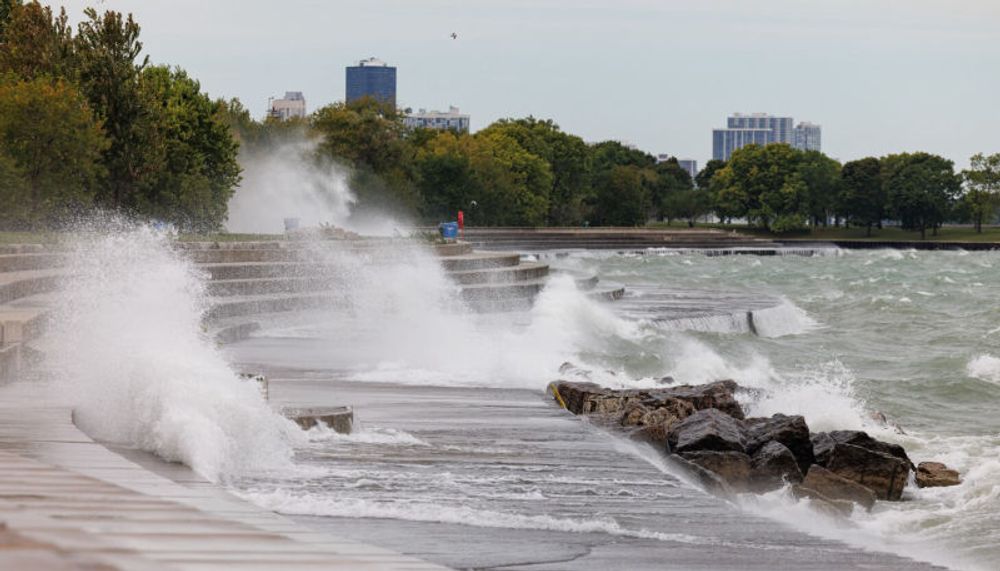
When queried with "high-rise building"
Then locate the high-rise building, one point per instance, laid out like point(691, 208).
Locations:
point(689, 165)
point(782, 126)
point(762, 129)
point(451, 120)
point(372, 78)
point(807, 136)
point(292, 105)
point(725, 141)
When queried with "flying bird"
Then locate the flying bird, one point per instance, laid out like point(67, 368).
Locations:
point(454, 36)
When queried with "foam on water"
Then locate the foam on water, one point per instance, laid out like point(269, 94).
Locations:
point(128, 351)
point(311, 504)
point(984, 368)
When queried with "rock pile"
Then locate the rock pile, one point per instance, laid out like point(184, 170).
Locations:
point(705, 429)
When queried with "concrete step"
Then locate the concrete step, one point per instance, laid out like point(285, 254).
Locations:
point(266, 270)
point(480, 260)
point(266, 286)
point(32, 261)
point(7, 249)
point(454, 249)
point(15, 285)
point(498, 292)
point(253, 305)
point(524, 271)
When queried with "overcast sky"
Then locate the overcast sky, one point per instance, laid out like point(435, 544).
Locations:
point(880, 76)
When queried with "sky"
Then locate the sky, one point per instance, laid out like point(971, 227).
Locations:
point(880, 76)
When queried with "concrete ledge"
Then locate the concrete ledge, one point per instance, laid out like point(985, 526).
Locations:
point(338, 418)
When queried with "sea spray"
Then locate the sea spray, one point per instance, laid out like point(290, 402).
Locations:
point(128, 350)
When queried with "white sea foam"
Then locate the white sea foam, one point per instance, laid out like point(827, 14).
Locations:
point(984, 367)
point(324, 505)
point(127, 347)
point(364, 435)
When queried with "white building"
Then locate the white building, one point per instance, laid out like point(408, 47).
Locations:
point(808, 137)
point(292, 105)
point(451, 120)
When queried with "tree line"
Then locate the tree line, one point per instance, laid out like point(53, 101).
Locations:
point(87, 122)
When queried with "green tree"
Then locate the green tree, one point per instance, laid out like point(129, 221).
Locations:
point(36, 42)
point(526, 202)
point(704, 177)
point(107, 53)
point(568, 159)
point(982, 183)
point(670, 191)
point(821, 175)
point(862, 198)
point(369, 137)
point(200, 171)
point(622, 197)
point(6, 6)
point(920, 189)
point(764, 185)
point(49, 134)
point(15, 198)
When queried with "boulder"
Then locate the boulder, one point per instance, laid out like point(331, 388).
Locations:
point(708, 429)
point(718, 395)
point(791, 431)
point(831, 486)
point(732, 467)
point(935, 475)
point(658, 423)
point(883, 474)
point(708, 480)
point(823, 443)
point(633, 414)
point(829, 506)
point(575, 396)
point(772, 466)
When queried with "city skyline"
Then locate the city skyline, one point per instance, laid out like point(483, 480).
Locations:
point(885, 76)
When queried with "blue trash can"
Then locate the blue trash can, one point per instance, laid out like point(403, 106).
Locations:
point(448, 230)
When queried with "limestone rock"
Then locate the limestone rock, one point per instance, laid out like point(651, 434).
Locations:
point(772, 466)
point(732, 467)
point(719, 395)
point(832, 486)
point(936, 474)
point(823, 443)
point(883, 474)
point(708, 429)
point(658, 423)
point(791, 431)
point(829, 506)
point(633, 414)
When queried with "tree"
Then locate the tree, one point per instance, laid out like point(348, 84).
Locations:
point(52, 141)
point(622, 198)
point(982, 183)
point(200, 170)
point(763, 184)
point(670, 187)
point(35, 42)
point(821, 175)
point(15, 199)
point(530, 181)
point(107, 54)
point(568, 159)
point(704, 177)
point(6, 6)
point(862, 198)
point(920, 188)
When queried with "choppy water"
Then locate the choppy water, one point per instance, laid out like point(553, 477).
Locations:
point(915, 335)
point(459, 436)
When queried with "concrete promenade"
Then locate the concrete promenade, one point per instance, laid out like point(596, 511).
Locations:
point(67, 502)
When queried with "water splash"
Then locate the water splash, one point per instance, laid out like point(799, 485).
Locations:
point(128, 351)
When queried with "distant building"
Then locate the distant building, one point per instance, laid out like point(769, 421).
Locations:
point(372, 78)
point(725, 141)
point(689, 165)
point(762, 129)
point(807, 137)
point(451, 120)
point(782, 126)
point(292, 105)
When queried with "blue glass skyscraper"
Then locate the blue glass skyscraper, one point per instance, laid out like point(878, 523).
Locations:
point(372, 78)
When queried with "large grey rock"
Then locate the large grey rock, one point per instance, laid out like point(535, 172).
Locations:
point(935, 475)
point(708, 429)
point(732, 467)
point(657, 423)
point(823, 443)
point(791, 431)
point(772, 466)
point(832, 486)
point(718, 395)
point(883, 474)
point(829, 506)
